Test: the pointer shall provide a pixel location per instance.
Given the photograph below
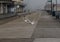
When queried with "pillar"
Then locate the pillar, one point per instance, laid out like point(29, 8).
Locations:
point(1, 8)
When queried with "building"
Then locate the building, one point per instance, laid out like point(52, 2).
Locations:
point(4, 6)
point(10, 8)
point(48, 7)
point(58, 7)
point(19, 5)
point(57, 11)
point(18, 0)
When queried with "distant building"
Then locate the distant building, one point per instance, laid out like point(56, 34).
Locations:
point(48, 7)
point(58, 7)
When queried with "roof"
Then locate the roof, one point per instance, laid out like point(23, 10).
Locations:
point(5, 2)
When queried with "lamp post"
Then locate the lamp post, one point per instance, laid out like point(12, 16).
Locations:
point(51, 6)
point(56, 5)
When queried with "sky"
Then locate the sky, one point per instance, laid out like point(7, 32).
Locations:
point(36, 4)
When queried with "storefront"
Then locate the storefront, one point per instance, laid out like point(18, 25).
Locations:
point(4, 6)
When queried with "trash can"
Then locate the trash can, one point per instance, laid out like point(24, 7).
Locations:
point(49, 12)
point(57, 14)
point(53, 13)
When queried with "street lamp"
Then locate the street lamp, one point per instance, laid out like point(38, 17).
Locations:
point(51, 6)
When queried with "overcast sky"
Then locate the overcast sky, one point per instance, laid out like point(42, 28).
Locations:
point(36, 4)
